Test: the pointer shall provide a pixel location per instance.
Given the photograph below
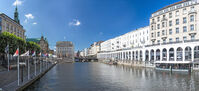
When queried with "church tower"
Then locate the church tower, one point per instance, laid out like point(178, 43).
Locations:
point(16, 16)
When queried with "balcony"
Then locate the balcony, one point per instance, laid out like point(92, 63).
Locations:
point(164, 19)
point(164, 36)
point(192, 11)
point(153, 22)
point(153, 38)
point(193, 32)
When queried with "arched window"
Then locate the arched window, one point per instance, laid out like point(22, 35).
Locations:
point(171, 54)
point(152, 55)
point(179, 54)
point(196, 53)
point(164, 54)
point(158, 55)
point(136, 56)
point(188, 54)
point(147, 55)
point(140, 55)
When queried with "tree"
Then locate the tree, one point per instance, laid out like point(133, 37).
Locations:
point(32, 46)
point(15, 42)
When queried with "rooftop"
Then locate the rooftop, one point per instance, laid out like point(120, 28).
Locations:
point(33, 39)
point(172, 5)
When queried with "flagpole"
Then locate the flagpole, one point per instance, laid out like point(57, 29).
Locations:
point(18, 66)
point(35, 65)
point(8, 59)
point(40, 62)
point(28, 68)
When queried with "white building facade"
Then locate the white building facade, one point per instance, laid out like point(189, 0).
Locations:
point(172, 41)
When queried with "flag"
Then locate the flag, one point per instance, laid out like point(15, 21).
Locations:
point(40, 54)
point(25, 54)
point(7, 49)
point(33, 53)
point(17, 52)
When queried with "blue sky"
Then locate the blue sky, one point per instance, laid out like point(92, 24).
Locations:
point(82, 21)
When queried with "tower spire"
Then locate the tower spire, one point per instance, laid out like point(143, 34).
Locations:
point(16, 15)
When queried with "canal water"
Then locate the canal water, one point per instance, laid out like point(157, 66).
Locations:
point(103, 77)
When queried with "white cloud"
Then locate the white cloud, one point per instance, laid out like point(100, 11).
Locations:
point(75, 22)
point(34, 23)
point(29, 16)
point(17, 2)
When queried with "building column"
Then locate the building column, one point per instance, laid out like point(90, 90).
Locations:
point(183, 54)
point(167, 55)
point(192, 55)
point(149, 55)
point(138, 55)
point(161, 54)
point(154, 55)
point(175, 54)
point(143, 55)
point(131, 56)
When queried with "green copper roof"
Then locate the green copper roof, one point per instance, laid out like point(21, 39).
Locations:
point(33, 39)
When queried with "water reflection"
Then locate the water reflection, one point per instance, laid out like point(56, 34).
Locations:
point(102, 77)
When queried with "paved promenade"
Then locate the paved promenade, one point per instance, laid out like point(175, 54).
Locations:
point(8, 79)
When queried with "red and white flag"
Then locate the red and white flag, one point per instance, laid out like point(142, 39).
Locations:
point(17, 52)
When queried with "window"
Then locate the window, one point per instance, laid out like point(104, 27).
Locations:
point(192, 27)
point(184, 38)
point(192, 37)
point(158, 26)
point(153, 20)
point(184, 29)
point(177, 21)
point(152, 27)
point(192, 8)
point(158, 19)
point(151, 34)
point(177, 30)
point(191, 18)
point(184, 11)
point(177, 13)
point(158, 34)
point(170, 40)
point(163, 24)
point(163, 32)
point(158, 41)
point(164, 40)
point(170, 15)
point(170, 31)
point(164, 17)
point(170, 23)
point(184, 20)
point(177, 39)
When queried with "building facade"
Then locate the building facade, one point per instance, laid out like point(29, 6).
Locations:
point(173, 41)
point(43, 42)
point(65, 49)
point(10, 25)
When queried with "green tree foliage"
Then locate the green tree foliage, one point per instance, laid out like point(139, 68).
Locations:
point(15, 42)
point(32, 46)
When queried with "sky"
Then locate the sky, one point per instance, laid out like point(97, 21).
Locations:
point(81, 21)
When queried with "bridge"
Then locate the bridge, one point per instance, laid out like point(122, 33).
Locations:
point(86, 59)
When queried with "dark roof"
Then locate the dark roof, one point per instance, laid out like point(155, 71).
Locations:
point(172, 5)
point(33, 39)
